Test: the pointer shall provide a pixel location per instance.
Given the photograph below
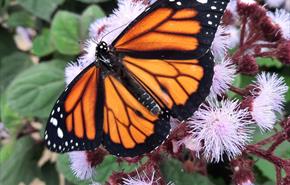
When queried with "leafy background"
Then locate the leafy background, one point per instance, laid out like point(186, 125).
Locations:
point(37, 39)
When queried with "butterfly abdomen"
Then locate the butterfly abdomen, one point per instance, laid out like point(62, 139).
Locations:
point(140, 93)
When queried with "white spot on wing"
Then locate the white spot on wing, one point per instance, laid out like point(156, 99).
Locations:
point(59, 133)
point(53, 121)
point(202, 1)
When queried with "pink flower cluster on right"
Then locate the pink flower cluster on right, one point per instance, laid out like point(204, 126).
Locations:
point(223, 125)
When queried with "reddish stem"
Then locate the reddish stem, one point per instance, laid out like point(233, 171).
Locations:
point(237, 90)
point(269, 139)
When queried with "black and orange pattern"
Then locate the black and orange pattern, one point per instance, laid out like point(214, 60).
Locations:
point(159, 66)
point(76, 119)
point(129, 127)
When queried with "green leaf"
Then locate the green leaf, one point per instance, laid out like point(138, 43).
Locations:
point(21, 18)
point(49, 174)
point(42, 44)
point(22, 164)
point(7, 45)
point(6, 151)
point(269, 62)
point(33, 92)
point(267, 168)
point(3, 4)
point(41, 9)
point(173, 172)
point(269, 183)
point(92, 13)
point(10, 66)
point(10, 118)
point(283, 150)
point(65, 32)
point(110, 165)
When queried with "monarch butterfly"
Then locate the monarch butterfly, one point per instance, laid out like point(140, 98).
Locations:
point(159, 66)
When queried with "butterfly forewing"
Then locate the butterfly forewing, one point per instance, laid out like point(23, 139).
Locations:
point(75, 122)
point(172, 29)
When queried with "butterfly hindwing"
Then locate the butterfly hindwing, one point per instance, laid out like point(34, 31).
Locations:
point(75, 122)
point(172, 29)
point(179, 85)
point(129, 128)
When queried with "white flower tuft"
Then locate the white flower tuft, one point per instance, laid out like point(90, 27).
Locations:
point(220, 44)
point(282, 19)
point(109, 28)
point(248, 2)
point(232, 7)
point(140, 179)
point(95, 183)
point(99, 28)
point(80, 165)
point(221, 127)
point(274, 3)
point(248, 182)
point(90, 53)
point(269, 100)
point(234, 39)
point(4, 133)
point(224, 75)
point(71, 71)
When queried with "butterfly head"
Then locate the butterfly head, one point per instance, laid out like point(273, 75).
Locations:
point(102, 48)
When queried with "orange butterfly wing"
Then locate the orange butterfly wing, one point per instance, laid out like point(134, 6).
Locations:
point(75, 122)
point(182, 29)
point(179, 85)
point(129, 128)
point(167, 50)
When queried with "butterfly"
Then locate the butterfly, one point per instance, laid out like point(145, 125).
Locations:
point(159, 67)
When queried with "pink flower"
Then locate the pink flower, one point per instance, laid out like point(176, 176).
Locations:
point(282, 19)
point(221, 127)
point(220, 44)
point(80, 165)
point(224, 75)
point(268, 100)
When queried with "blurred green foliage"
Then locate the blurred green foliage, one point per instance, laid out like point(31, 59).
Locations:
point(32, 78)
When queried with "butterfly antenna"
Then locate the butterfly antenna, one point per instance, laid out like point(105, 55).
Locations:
point(113, 31)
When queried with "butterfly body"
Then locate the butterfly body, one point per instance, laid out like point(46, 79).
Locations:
point(110, 64)
point(159, 67)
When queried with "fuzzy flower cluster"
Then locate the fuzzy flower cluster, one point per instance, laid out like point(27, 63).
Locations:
point(221, 127)
point(80, 165)
point(268, 100)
